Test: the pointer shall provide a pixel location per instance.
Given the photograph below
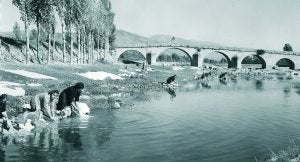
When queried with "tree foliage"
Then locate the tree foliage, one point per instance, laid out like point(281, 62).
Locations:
point(26, 17)
point(287, 47)
point(90, 20)
point(17, 31)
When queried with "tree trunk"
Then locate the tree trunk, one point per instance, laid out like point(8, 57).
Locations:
point(53, 46)
point(49, 48)
point(71, 46)
point(88, 48)
point(0, 49)
point(78, 46)
point(92, 49)
point(27, 42)
point(106, 46)
point(83, 49)
point(98, 46)
point(64, 42)
point(38, 42)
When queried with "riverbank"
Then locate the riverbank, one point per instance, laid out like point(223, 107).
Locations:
point(99, 92)
point(107, 83)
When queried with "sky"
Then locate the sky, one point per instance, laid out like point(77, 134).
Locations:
point(259, 24)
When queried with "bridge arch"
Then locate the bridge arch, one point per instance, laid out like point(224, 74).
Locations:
point(285, 62)
point(175, 48)
point(258, 57)
point(131, 55)
point(204, 55)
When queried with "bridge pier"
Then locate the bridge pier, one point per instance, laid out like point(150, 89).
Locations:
point(234, 63)
point(153, 59)
point(194, 60)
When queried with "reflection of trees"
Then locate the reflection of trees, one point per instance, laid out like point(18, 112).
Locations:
point(2, 154)
point(132, 55)
point(71, 137)
point(251, 60)
point(174, 57)
point(3, 144)
point(41, 145)
point(64, 141)
point(297, 88)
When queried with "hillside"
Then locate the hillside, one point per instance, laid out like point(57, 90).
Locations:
point(14, 50)
point(124, 38)
point(167, 39)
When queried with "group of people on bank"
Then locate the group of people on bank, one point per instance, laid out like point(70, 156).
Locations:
point(48, 106)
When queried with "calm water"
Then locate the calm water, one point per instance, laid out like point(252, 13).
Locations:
point(234, 122)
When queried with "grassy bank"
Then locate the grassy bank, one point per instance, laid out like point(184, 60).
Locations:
point(98, 94)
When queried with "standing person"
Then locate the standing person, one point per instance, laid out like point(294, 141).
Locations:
point(68, 98)
point(5, 123)
point(144, 68)
point(44, 104)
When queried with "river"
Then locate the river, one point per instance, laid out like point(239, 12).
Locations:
point(238, 121)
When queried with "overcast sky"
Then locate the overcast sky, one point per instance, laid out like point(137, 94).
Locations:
point(266, 24)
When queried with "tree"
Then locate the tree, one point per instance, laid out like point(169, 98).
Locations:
point(112, 37)
point(24, 7)
point(0, 25)
point(260, 52)
point(60, 6)
point(17, 31)
point(48, 22)
point(39, 10)
point(287, 47)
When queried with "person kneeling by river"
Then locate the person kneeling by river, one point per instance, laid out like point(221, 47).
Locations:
point(44, 105)
point(68, 100)
point(5, 123)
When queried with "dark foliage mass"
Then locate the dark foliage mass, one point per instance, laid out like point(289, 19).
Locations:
point(287, 47)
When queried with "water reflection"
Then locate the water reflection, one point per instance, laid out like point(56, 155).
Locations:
point(2, 154)
point(287, 91)
point(259, 85)
point(3, 144)
point(172, 93)
point(297, 88)
point(104, 129)
point(71, 137)
point(205, 85)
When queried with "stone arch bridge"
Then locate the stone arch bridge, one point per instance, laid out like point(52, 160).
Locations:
point(234, 56)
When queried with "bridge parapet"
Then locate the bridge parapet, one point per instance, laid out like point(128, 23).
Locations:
point(212, 48)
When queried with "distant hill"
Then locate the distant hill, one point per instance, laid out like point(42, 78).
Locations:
point(167, 39)
point(124, 38)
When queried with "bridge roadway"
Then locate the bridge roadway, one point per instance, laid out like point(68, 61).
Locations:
point(234, 56)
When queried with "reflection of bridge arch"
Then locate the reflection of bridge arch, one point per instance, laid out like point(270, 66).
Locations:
point(281, 62)
point(176, 48)
point(262, 61)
